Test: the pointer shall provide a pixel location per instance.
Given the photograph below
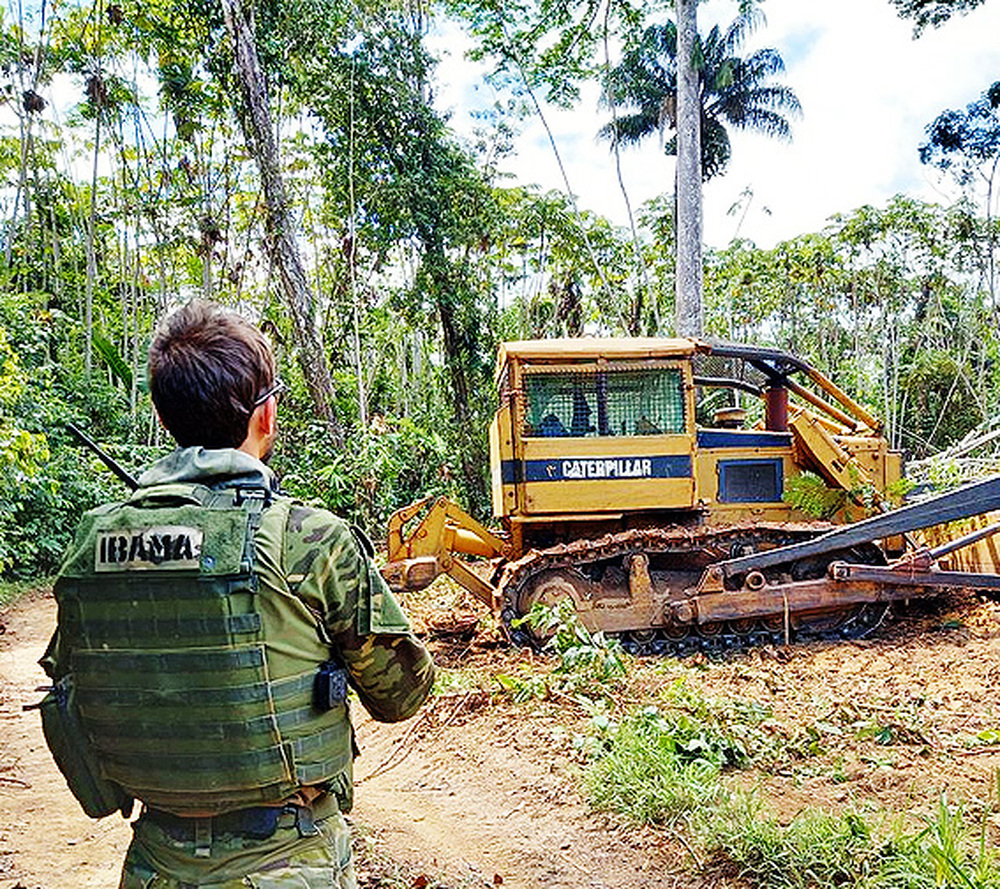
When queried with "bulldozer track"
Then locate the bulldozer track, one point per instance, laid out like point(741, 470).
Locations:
point(703, 545)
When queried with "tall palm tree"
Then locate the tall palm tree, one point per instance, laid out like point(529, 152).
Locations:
point(735, 92)
point(732, 91)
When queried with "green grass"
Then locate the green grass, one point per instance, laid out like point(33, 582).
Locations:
point(823, 850)
point(652, 776)
point(815, 850)
point(667, 765)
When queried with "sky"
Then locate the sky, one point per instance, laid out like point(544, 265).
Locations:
point(868, 89)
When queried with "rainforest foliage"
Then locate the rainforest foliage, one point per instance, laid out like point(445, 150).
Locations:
point(135, 176)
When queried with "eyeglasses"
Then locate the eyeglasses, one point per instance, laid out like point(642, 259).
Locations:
point(275, 389)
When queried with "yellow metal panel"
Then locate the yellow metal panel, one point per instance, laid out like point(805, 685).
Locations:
point(556, 350)
point(592, 347)
point(496, 462)
point(733, 513)
point(831, 460)
point(705, 477)
point(893, 469)
point(501, 452)
point(601, 474)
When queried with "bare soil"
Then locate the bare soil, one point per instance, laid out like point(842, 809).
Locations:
point(479, 791)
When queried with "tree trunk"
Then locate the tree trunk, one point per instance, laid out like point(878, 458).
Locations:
point(456, 359)
point(255, 119)
point(992, 235)
point(689, 271)
point(88, 299)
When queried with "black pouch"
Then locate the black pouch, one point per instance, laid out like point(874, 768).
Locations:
point(330, 686)
point(73, 754)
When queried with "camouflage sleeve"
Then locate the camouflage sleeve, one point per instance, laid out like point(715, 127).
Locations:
point(390, 669)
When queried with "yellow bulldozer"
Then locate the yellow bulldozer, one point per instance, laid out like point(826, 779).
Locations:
point(651, 482)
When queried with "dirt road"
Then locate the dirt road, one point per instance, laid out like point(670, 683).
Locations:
point(46, 842)
point(458, 794)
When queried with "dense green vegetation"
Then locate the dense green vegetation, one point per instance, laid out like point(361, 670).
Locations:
point(141, 191)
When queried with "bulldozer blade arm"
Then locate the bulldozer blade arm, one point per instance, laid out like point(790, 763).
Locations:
point(966, 501)
point(845, 584)
point(433, 547)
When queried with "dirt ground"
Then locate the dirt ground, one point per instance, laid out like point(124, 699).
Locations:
point(477, 791)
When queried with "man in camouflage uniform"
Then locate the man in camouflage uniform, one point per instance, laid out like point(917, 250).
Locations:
point(172, 717)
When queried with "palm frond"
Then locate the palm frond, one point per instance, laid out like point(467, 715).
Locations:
point(715, 148)
point(736, 91)
point(630, 129)
point(118, 366)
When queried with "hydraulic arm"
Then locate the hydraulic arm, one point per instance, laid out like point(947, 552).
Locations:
point(433, 545)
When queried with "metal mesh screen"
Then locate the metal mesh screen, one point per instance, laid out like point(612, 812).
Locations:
point(647, 402)
point(721, 367)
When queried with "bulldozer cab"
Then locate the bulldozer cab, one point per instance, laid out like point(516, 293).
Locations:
point(582, 430)
point(615, 430)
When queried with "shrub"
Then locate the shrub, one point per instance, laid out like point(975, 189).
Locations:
point(656, 768)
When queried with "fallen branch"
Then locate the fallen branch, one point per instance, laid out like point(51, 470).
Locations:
point(18, 782)
point(455, 711)
point(975, 751)
point(388, 763)
point(403, 747)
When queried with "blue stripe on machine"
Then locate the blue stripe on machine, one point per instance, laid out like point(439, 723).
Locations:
point(511, 472)
point(590, 468)
point(715, 438)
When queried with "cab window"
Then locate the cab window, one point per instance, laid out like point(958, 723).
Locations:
point(604, 403)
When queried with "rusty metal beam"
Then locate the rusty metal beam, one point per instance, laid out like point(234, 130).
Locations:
point(847, 584)
point(966, 501)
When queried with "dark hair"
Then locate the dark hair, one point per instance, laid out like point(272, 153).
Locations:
point(207, 366)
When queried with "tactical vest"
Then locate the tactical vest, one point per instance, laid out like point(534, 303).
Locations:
point(160, 606)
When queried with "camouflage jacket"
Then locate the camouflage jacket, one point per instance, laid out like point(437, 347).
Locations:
point(315, 575)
